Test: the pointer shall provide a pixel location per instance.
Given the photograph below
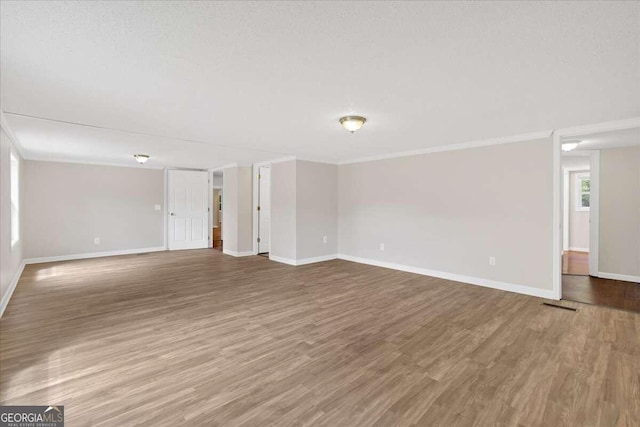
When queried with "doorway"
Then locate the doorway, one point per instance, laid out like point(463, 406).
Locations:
point(601, 186)
point(576, 213)
point(188, 206)
point(216, 216)
point(264, 210)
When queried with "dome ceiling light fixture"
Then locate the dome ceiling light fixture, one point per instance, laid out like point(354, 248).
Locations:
point(141, 158)
point(570, 145)
point(352, 123)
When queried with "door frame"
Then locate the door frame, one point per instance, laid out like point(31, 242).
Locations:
point(211, 201)
point(166, 204)
point(256, 196)
point(558, 225)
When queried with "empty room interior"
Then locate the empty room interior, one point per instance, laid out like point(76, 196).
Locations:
point(320, 213)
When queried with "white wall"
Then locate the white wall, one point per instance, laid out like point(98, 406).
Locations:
point(67, 205)
point(450, 211)
point(283, 210)
point(578, 220)
point(10, 257)
point(236, 211)
point(619, 246)
point(304, 209)
point(316, 209)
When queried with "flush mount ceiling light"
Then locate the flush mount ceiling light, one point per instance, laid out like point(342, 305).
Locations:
point(570, 145)
point(141, 158)
point(352, 123)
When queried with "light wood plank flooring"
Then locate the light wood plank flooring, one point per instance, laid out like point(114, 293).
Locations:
point(574, 262)
point(203, 339)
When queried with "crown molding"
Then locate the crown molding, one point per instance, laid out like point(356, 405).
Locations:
point(633, 122)
point(92, 163)
point(453, 147)
point(12, 136)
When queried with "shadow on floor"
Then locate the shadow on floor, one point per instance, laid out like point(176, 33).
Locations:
point(605, 292)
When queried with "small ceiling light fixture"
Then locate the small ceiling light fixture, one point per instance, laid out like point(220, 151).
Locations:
point(141, 158)
point(352, 123)
point(570, 145)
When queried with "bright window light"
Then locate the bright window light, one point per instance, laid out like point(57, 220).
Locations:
point(15, 200)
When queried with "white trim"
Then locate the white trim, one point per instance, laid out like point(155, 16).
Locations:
point(283, 260)
point(237, 254)
point(304, 261)
point(210, 207)
point(487, 283)
point(281, 160)
point(451, 147)
point(133, 164)
point(165, 212)
point(623, 277)
point(595, 175)
point(12, 287)
point(557, 224)
point(313, 260)
point(92, 255)
point(222, 168)
point(571, 248)
point(15, 214)
point(594, 214)
point(566, 177)
point(4, 124)
point(255, 170)
point(630, 123)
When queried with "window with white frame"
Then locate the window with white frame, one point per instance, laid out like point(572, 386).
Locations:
point(583, 192)
point(15, 199)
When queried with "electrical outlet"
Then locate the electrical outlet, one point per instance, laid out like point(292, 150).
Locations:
point(157, 207)
point(492, 260)
point(382, 246)
point(96, 240)
point(325, 239)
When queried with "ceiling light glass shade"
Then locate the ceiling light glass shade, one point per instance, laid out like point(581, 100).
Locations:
point(141, 158)
point(568, 146)
point(352, 123)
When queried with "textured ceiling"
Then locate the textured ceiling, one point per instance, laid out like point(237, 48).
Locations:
point(605, 140)
point(202, 84)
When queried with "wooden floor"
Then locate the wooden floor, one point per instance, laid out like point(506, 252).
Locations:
point(574, 262)
point(605, 292)
point(203, 339)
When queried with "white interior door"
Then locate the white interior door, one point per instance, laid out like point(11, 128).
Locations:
point(264, 213)
point(188, 209)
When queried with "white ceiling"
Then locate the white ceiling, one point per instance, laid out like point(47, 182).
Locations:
point(606, 140)
point(202, 84)
point(579, 157)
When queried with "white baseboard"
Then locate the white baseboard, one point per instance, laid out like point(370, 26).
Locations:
point(623, 277)
point(316, 259)
point(238, 254)
point(283, 260)
point(487, 283)
point(303, 261)
point(12, 287)
point(579, 249)
point(92, 255)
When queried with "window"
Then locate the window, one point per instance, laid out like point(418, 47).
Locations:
point(15, 200)
point(583, 192)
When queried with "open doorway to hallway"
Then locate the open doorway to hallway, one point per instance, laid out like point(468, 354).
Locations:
point(576, 194)
point(216, 230)
point(601, 219)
